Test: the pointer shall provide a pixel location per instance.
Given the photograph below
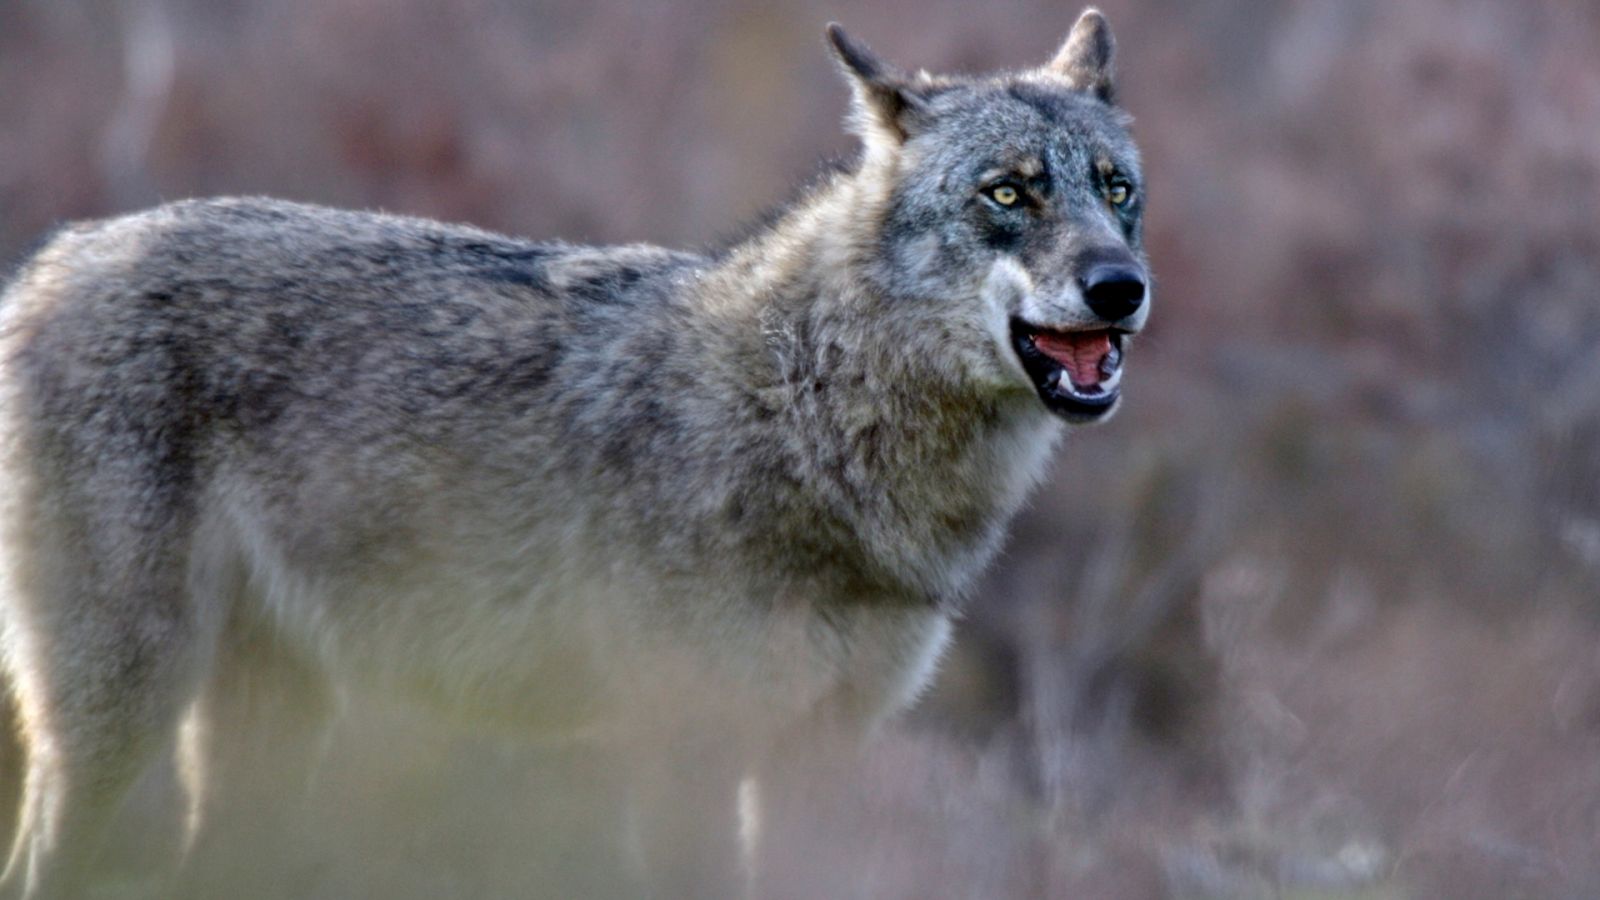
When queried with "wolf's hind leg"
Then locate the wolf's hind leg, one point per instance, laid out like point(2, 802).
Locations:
point(97, 700)
point(11, 766)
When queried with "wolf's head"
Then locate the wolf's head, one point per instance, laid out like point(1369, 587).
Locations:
point(1005, 214)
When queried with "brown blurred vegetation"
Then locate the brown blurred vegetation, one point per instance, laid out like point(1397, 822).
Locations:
point(1316, 616)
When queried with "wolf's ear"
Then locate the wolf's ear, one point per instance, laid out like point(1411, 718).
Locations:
point(888, 105)
point(1085, 59)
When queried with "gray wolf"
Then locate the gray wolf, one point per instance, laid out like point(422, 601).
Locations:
point(686, 504)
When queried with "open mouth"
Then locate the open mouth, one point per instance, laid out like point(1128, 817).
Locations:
point(1075, 372)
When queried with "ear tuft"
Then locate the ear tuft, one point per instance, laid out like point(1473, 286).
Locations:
point(1085, 60)
point(888, 106)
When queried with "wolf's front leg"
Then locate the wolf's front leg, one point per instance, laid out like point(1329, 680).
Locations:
point(781, 824)
point(681, 825)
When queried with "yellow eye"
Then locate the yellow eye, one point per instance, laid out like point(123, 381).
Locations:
point(1004, 194)
point(1118, 194)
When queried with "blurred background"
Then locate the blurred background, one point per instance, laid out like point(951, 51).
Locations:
point(1317, 615)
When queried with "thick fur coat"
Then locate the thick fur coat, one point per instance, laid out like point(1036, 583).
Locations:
point(684, 502)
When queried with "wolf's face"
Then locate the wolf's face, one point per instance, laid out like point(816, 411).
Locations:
point(1012, 214)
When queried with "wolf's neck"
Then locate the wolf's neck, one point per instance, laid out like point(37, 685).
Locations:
point(884, 439)
point(813, 301)
point(817, 248)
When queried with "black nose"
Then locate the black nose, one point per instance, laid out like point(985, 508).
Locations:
point(1113, 292)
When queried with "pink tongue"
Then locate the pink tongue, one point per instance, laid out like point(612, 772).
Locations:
point(1079, 353)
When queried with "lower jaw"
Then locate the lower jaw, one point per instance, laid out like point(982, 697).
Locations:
point(1078, 409)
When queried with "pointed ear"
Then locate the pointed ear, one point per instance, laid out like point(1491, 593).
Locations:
point(1086, 57)
point(888, 105)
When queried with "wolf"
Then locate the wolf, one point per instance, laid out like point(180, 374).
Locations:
point(688, 504)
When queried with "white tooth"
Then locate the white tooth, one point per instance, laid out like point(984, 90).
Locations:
point(1111, 383)
point(1113, 359)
